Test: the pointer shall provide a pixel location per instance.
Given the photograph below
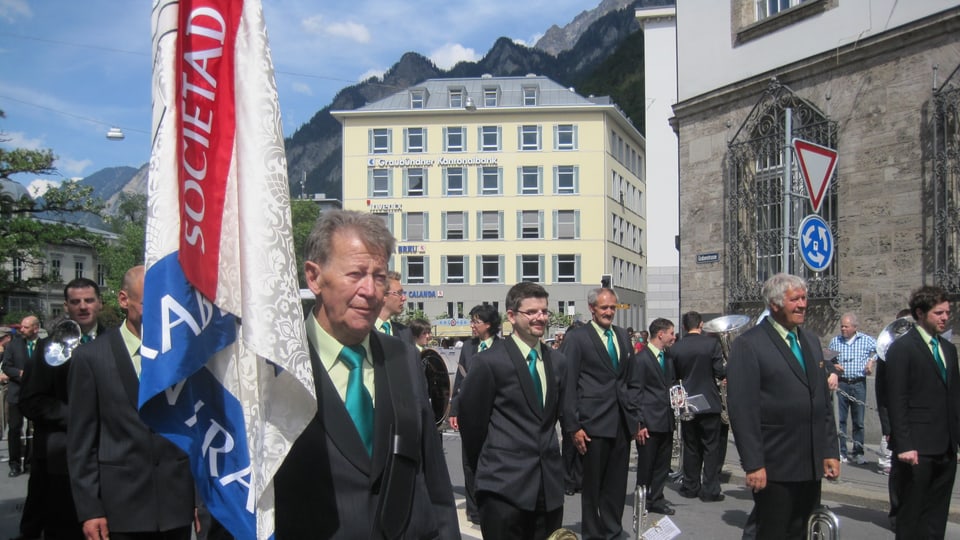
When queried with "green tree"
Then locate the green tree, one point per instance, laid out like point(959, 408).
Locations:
point(304, 215)
point(129, 224)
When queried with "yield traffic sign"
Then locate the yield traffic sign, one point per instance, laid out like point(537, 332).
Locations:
point(817, 164)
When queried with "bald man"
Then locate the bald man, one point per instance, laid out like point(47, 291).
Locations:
point(16, 355)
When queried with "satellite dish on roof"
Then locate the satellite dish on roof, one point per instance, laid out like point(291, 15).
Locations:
point(115, 134)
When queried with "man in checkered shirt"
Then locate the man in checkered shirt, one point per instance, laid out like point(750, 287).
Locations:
point(855, 357)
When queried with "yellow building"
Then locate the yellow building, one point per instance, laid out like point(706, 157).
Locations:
point(489, 181)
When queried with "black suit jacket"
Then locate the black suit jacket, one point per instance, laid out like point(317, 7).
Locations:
point(509, 438)
point(924, 410)
point(780, 415)
point(15, 360)
point(119, 468)
point(599, 398)
point(698, 361)
point(467, 353)
point(329, 487)
point(655, 390)
point(43, 399)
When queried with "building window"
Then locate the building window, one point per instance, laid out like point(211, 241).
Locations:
point(491, 97)
point(379, 183)
point(455, 269)
point(491, 225)
point(56, 272)
point(78, 269)
point(565, 137)
point(387, 221)
point(567, 268)
point(418, 99)
point(415, 140)
point(415, 270)
point(489, 138)
point(566, 180)
point(566, 224)
point(455, 309)
point(490, 183)
point(19, 265)
point(530, 268)
point(414, 307)
point(455, 226)
point(530, 180)
point(454, 139)
point(530, 224)
point(568, 307)
point(491, 268)
point(529, 137)
point(530, 94)
point(101, 275)
point(415, 182)
point(455, 181)
point(456, 99)
point(415, 227)
point(380, 141)
point(768, 8)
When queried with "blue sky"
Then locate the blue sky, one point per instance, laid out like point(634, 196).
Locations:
point(72, 69)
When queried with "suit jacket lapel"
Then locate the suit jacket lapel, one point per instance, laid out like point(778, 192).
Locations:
point(128, 375)
point(550, 396)
point(383, 413)
point(600, 345)
point(931, 360)
point(654, 361)
point(336, 421)
point(523, 375)
point(786, 353)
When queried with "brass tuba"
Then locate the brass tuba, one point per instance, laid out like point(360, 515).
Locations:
point(890, 333)
point(823, 524)
point(723, 327)
point(63, 339)
point(438, 383)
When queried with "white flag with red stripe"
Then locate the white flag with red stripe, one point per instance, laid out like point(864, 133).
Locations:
point(226, 373)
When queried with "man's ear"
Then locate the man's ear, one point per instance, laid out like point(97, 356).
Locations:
point(311, 272)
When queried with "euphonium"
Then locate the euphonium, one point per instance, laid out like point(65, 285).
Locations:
point(722, 327)
point(639, 510)
point(823, 525)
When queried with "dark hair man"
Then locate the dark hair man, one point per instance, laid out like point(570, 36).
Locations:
point(511, 401)
point(655, 440)
point(923, 402)
point(601, 412)
point(485, 327)
point(44, 399)
point(374, 424)
point(393, 298)
point(699, 364)
point(780, 412)
point(17, 354)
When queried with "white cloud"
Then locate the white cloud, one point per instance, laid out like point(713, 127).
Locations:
point(345, 29)
point(73, 167)
point(40, 186)
point(449, 54)
point(13, 9)
point(302, 88)
point(17, 139)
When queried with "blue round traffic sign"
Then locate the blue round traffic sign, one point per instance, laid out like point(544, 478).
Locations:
point(815, 243)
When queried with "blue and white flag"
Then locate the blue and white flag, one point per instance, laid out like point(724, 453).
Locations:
point(226, 373)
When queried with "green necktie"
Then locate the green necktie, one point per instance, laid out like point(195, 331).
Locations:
point(85, 338)
point(611, 349)
point(30, 349)
point(795, 347)
point(386, 329)
point(663, 366)
point(532, 364)
point(358, 401)
point(483, 346)
point(935, 345)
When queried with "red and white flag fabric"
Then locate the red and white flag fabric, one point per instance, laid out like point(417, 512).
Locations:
point(226, 373)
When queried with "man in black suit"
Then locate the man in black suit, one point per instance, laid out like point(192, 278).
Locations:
point(392, 306)
point(699, 364)
point(601, 413)
point(780, 412)
point(485, 326)
point(16, 355)
point(128, 482)
point(655, 440)
point(509, 406)
point(923, 402)
point(44, 400)
point(370, 463)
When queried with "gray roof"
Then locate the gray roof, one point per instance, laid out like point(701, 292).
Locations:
point(14, 190)
point(550, 94)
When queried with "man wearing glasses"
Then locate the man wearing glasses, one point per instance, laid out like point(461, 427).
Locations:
point(393, 300)
point(601, 413)
point(509, 404)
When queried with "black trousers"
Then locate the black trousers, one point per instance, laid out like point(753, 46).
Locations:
point(782, 509)
point(572, 464)
point(15, 435)
point(653, 465)
point(469, 486)
point(501, 520)
point(924, 493)
point(701, 455)
point(604, 486)
point(180, 533)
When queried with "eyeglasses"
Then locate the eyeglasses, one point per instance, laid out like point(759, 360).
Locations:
point(401, 292)
point(534, 313)
point(476, 321)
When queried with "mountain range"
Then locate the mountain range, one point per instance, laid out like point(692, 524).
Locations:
point(600, 52)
